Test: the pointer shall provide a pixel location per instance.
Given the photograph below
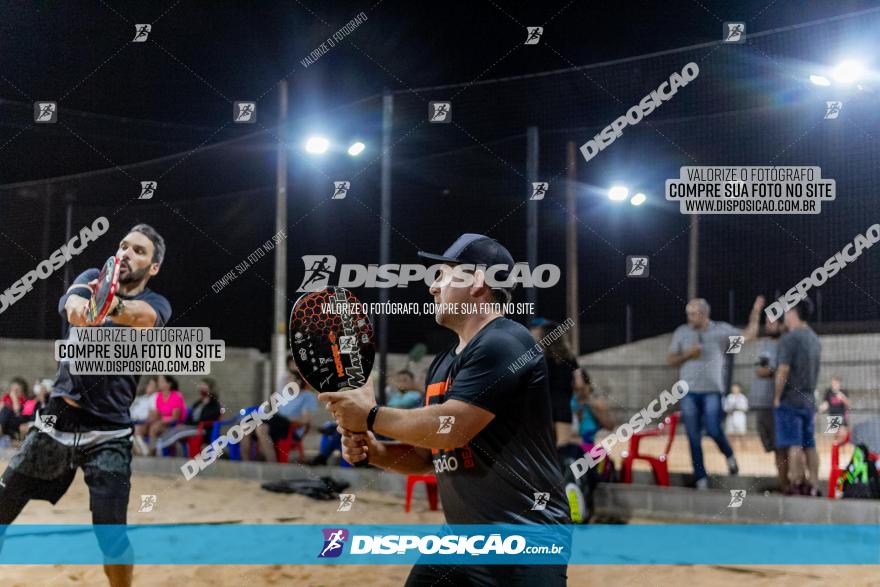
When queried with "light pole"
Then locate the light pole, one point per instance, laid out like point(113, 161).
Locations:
point(279, 323)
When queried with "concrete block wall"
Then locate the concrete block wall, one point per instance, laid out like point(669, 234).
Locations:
point(242, 377)
point(634, 374)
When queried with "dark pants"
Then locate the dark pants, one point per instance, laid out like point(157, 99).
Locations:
point(44, 469)
point(10, 421)
point(702, 410)
point(487, 576)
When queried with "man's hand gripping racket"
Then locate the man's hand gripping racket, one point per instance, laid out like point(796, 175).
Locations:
point(103, 292)
point(332, 341)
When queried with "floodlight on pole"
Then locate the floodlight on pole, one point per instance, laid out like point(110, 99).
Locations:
point(618, 193)
point(848, 71)
point(317, 145)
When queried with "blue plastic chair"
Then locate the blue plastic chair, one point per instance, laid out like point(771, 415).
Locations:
point(234, 449)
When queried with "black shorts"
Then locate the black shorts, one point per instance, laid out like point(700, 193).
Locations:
point(44, 469)
point(279, 426)
point(488, 576)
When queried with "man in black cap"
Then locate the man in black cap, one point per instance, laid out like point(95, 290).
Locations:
point(486, 429)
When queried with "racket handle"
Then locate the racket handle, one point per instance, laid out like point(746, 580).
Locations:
point(363, 463)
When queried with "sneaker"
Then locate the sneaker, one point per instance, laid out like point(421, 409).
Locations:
point(732, 466)
point(703, 483)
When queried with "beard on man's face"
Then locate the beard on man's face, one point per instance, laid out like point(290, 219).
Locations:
point(128, 276)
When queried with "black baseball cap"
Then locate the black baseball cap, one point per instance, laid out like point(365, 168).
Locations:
point(476, 249)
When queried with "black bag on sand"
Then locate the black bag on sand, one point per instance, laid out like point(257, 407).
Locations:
point(860, 479)
point(325, 488)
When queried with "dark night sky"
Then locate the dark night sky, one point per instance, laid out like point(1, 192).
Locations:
point(123, 103)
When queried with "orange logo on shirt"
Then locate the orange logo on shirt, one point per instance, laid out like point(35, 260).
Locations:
point(438, 390)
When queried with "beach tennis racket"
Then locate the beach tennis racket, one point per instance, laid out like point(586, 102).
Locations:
point(104, 292)
point(332, 341)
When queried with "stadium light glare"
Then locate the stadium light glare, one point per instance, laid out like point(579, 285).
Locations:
point(317, 145)
point(638, 199)
point(848, 71)
point(356, 149)
point(618, 193)
point(820, 80)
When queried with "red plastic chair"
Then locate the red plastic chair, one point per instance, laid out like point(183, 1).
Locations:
point(836, 469)
point(284, 446)
point(194, 443)
point(430, 482)
point(658, 463)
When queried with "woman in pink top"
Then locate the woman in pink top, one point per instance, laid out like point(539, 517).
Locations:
point(170, 407)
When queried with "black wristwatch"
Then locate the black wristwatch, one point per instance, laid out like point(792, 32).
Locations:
point(371, 417)
point(119, 309)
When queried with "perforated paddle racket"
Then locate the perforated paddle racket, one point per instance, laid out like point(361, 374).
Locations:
point(332, 341)
point(104, 291)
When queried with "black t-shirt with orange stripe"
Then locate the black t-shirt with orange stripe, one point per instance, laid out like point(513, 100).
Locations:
point(496, 476)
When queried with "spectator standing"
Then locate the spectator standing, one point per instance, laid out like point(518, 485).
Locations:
point(795, 401)
point(836, 403)
point(698, 348)
point(736, 404)
point(761, 396)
